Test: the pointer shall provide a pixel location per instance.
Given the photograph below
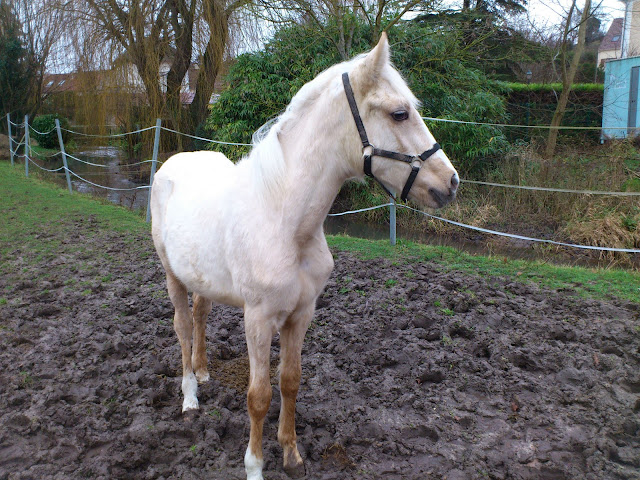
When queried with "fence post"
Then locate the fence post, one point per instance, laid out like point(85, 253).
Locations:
point(154, 165)
point(64, 155)
point(392, 221)
point(10, 138)
point(27, 143)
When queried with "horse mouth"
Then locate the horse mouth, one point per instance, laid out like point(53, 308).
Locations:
point(441, 199)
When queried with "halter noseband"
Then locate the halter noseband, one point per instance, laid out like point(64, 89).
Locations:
point(414, 160)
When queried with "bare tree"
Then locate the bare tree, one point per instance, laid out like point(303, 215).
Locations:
point(143, 32)
point(336, 19)
point(568, 74)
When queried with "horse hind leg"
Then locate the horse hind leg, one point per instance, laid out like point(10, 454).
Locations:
point(201, 309)
point(183, 325)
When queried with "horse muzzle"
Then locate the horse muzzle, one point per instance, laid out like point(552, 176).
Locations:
point(442, 198)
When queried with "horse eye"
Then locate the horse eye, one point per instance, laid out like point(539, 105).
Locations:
point(400, 115)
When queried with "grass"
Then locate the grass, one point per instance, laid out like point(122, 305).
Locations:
point(39, 151)
point(30, 205)
point(586, 282)
point(595, 220)
point(31, 208)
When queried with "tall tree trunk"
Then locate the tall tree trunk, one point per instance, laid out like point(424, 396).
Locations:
point(181, 18)
point(568, 75)
point(218, 20)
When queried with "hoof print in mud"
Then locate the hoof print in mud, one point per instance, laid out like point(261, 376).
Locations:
point(431, 376)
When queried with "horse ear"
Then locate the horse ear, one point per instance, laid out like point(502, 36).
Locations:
point(369, 70)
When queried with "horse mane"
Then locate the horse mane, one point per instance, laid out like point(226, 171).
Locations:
point(265, 161)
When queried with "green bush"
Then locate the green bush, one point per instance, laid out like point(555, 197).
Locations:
point(44, 130)
point(451, 89)
point(261, 84)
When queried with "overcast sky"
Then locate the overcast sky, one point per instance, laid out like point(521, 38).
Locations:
point(552, 10)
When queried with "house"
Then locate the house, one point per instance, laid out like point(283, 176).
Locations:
point(79, 96)
point(623, 38)
point(611, 45)
point(58, 83)
point(101, 96)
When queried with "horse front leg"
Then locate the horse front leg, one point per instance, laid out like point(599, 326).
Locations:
point(291, 339)
point(259, 332)
point(183, 325)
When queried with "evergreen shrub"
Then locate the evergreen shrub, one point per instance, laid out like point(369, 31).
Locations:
point(44, 130)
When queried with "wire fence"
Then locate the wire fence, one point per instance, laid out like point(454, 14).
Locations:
point(508, 125)
point(158, 128)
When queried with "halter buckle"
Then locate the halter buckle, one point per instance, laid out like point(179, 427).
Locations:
point(367, 154)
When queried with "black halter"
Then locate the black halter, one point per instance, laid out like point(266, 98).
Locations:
point(414, 160)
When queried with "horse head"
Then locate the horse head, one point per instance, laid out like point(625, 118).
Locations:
point(397, 148)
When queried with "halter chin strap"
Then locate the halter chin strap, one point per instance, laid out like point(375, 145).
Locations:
point(369, 151)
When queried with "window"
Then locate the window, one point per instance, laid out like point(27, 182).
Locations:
point(615, 38)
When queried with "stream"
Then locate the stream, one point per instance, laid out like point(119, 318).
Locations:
point(108, 174)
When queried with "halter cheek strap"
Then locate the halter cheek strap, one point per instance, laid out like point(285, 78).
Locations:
point(414, 160)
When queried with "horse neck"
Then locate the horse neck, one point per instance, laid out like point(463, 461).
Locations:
point(316, 163)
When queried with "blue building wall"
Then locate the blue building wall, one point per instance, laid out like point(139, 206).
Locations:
point(617, 96)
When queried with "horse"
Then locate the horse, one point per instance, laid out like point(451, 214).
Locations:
point(251, 234)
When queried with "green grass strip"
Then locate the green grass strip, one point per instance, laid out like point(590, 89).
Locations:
point(31, 207)
point(596, 283)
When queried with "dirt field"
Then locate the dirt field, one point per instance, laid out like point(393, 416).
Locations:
point(409, 372)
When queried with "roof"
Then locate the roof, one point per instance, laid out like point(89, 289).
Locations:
point(58, 82)
point(613, 39)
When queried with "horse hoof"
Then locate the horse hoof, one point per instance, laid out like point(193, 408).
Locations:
point(202, 376)
point(189, 416)
point(190, 404)
point(296, 471)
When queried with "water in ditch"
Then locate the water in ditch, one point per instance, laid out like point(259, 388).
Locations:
point(100, 172)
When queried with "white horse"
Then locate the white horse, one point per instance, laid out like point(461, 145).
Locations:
point(251, 234)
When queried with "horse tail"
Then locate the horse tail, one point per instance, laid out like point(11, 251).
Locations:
point(160, 192)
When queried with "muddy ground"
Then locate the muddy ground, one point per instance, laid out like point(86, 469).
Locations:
point(409, 372)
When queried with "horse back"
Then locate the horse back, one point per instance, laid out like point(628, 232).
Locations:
point(193, 168)
point(189, 211)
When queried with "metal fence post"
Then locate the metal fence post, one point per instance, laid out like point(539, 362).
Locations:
point(27, 143)
point(64, 155)
point(10, 138)
point(154, 165)
point(392, 221)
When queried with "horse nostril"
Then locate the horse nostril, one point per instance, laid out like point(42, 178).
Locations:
point(455, 181)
